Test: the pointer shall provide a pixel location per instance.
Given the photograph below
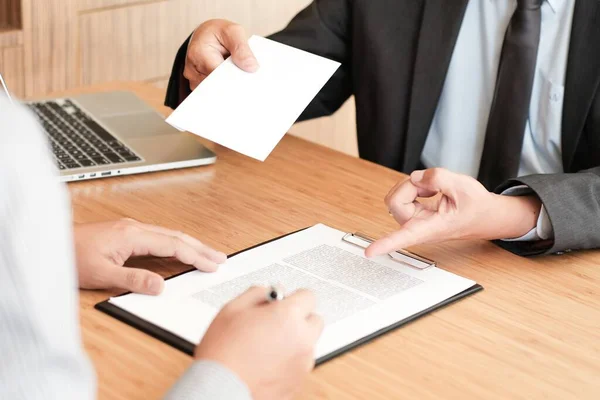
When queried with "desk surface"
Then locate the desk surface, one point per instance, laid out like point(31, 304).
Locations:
point(533, 333)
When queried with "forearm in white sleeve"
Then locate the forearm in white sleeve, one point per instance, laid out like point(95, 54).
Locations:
point(40, 345)
point(208, 380)
point(41, 355)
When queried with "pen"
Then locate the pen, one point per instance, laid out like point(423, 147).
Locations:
point(275, 294)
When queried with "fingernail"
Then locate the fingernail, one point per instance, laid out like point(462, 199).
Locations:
point(208, 266)
point(416, 176)
point(221, 257)
point(155, 285)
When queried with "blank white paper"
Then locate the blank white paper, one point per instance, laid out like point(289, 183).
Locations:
point(250, 112)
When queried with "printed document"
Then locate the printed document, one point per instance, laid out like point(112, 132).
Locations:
point(250, 112)
point(356, 296)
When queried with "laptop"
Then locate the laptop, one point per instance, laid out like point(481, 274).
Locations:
point(109, 134)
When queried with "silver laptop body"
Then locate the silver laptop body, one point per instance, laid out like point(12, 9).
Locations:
point(113, 133)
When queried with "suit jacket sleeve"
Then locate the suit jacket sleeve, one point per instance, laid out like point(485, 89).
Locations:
point(573, 205)
point(322, 28)
point(179, 87)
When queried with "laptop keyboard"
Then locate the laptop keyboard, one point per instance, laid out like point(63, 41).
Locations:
point(77, 140)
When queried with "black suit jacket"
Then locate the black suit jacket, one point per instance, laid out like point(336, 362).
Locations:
point(395, 55)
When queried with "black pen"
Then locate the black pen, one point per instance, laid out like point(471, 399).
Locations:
point(275, 294)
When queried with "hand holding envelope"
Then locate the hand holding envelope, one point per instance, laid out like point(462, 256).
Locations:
point(250, 112)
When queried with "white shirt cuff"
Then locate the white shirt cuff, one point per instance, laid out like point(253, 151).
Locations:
point(543, 230)
point(209, 380)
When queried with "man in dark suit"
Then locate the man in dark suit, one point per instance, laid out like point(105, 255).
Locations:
point(505, 91)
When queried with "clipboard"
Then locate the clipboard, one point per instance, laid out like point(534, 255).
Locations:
point(405, 257)
point(408, 258)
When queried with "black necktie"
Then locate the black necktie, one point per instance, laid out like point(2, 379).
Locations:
point(510, 107)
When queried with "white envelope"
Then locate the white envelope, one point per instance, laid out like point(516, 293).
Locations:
point(250, 112)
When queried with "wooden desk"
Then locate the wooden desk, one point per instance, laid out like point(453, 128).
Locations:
point(533, 333)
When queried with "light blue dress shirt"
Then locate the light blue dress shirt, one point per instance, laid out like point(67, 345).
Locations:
point(457, 133)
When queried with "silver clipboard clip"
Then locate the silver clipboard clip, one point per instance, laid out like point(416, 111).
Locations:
point(402, 256)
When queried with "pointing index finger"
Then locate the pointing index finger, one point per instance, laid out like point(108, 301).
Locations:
point(412, 233)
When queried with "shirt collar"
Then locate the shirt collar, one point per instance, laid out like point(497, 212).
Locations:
point(554, 5)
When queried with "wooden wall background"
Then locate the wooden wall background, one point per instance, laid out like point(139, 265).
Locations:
point(51, 45)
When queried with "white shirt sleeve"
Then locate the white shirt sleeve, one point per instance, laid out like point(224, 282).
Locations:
point(543, 230)
point(41, 355)
point(208, 380)
point(40, 342)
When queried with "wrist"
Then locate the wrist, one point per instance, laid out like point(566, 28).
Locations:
point(514, 216)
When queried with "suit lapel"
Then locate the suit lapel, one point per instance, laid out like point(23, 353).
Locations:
point(583, 76)
point(441, 23)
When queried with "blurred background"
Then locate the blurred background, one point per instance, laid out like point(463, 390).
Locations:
point(51, 45)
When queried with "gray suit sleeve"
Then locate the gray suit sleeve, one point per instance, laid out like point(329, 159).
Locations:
point(208, 380)
point(573, 205)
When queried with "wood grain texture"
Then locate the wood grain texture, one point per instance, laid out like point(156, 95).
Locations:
point(96, 5)
point(11, 66)
point(50, 45)
point(139, 42)
point(10, 14)
point(160, 83)
point(11, 38)
point(534, 333)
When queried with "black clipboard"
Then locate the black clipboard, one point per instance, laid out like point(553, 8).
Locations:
point(188, 347)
